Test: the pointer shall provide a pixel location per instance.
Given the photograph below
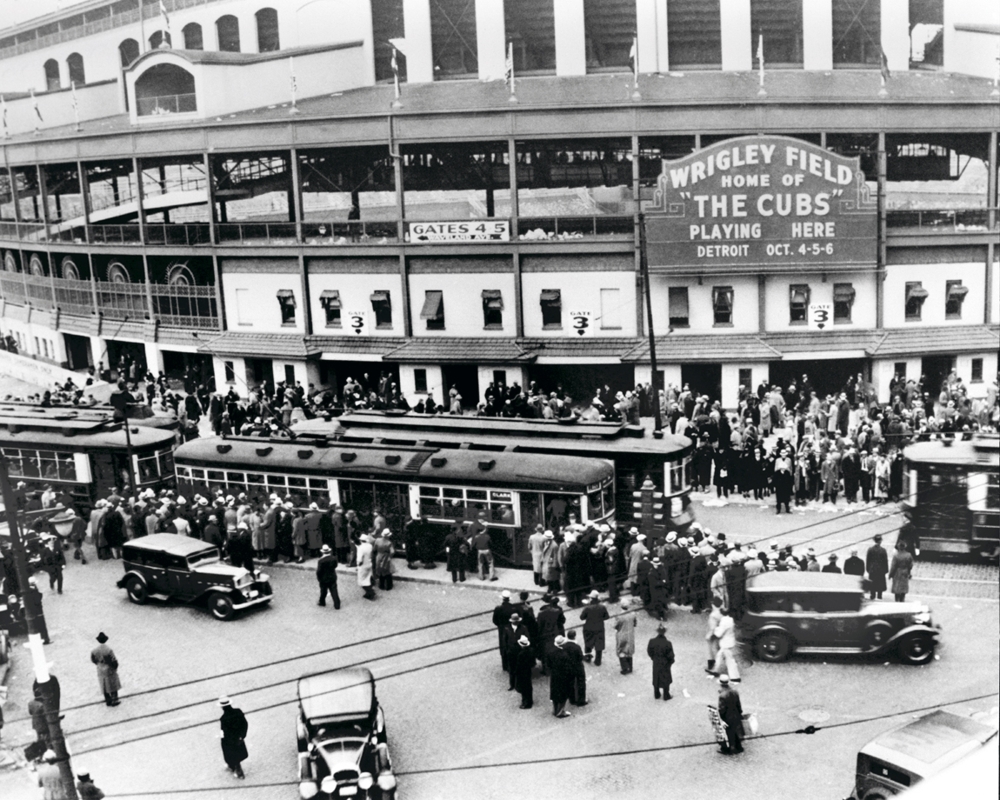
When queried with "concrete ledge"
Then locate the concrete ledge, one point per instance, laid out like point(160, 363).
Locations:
point(40, 373)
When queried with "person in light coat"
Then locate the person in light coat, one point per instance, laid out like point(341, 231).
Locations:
point(551, 565)
point(536, 546)
point(725, 632)
point(899, 572)
point(365, 566)
point(635, 555)
point(103, 657)
point(714, 620)
point(625, 624)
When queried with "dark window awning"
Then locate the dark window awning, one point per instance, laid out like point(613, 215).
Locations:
point(843, 293)
point(722, 297)
point(287, 295)
point(493, 299)
point(678, 303)
point(380, 297)
point(433, 305)
point(800, 294)
point(957, 291)
point(330, 298)
point(915, 291)
point(552, 296)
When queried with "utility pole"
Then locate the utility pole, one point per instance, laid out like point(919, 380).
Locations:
point(121, 399)
point(32, 615)
point(644, 268)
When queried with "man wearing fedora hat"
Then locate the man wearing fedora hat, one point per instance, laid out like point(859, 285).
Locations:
point(326, 576)
point(49, 777)
point(107, 669)
point(561, 681)
point(234, 732)
point(85, 788)
point(661, 651)
point(524, 663)
point(731, 714)
point(594, 615)
point(877, 565)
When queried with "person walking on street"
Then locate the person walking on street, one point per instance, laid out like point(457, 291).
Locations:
point(625, 624)
point(85, 788)
point(877, 565)
point(899, 572)
point(561, 680)
point(483, 545)
point(383, 550)
point(501, 618)
point(50, 779)
point(524, 663)
point(326, 576)
point(54, 562)
point(578, 688)
point(661, 651)
point(714, 618)
point(594, 615)
point(726, 634)
point(365, 566)
point(611, 566)
point(511, 634)
point(551, 625)
point(854, 565)
point(33, 604)
point(103, 657)
point(457, 552)
point(731, 714)
point(233, 735)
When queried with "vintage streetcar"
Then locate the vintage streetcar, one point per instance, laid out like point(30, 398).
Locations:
point(952, 498)
point(515, 491)
point(167, 566)
point(83, 453)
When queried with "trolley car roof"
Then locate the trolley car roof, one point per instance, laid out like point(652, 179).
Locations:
point(981, 451)
point(59, 436)
point(409, 464)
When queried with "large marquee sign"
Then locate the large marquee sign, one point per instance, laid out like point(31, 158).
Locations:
point(761, 200)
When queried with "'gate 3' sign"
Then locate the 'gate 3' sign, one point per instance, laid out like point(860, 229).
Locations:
point(761, 200)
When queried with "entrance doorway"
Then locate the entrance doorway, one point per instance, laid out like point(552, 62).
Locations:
point(126, 354)
point(704, 379)
point(176, 364)
point(364, 498)
point(258, 371)
point(828, 376)
point(465, 379)
point(78, 355)
point(935, 370)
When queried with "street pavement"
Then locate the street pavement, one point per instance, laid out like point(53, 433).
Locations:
point(449, 715)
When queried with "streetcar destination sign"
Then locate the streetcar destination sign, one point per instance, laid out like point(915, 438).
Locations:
point(761, 200)
point(473, 230)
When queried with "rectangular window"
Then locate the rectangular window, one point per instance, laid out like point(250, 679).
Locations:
point(433, 310)
point(977, 370)
point(694, 33)
point(780, 23)
point(900, 370)
point(746, 378)
point(722, 304)
point(286, 302)
point(382, 306)
point(230, 372)
point(916, 294)
point(330, 300)
point(500, 377)
point(492, 309)
point(420, 381)
point(611, 307)
point(678, 299)
point(857, 32)
point(843, 301)
point(954, 294)
point(289, 375)
point(244, 311)
point(798, 303)
point(551, 300)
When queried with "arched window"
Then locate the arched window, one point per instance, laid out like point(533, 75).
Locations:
point(69, 269)
point(193, 39)
point(117, 273)
point(158, 39)
point(179, 274)
point(165, 89)
point(11, 262)
point(228, 29)
point(128, 51)
point(76, 74)
point(52, 74)
point(267, 30)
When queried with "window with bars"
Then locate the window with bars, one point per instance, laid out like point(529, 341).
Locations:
point(955, 294)
point(433, 310)
point(286, 302)
point(492, 308)
point(678, 305)
point(798, 303)
point(551, 302)
point(722, 304)
point(916, 294)
point(843, 302)
point(330, 300)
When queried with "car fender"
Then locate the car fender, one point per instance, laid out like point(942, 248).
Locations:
point(132, 573)
point(773, 627)
point(909, 630)
point(221, 589)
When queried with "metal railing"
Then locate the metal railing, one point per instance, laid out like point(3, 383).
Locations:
point(120, 300)
point(39, 291)
point(74, 296)
point(184, 233)
point(12, 288)
point(351, 232)
point(543, 228)
point(185, 306)
point(948, 220)
point(114, 234)
point(167, 104)
point(256, 232)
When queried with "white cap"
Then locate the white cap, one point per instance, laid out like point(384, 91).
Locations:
point(505, 594)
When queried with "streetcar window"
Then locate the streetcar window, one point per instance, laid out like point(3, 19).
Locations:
point(47, 464)
point(275, 482)
point(594, 508)
point(184, 473)
point(984, 491)
point(235, 477)
point(609, 498)
point(475, 494)
point(297, 483)
point(255, 479)
point(197, 474)
point(318, 485)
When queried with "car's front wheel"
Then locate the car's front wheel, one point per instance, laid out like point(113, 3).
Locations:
point(773, 646)
point(916, 649)
point(137, 591)
point(220, 606)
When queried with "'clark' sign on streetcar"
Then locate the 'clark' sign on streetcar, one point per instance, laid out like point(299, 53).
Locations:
point(761, 200)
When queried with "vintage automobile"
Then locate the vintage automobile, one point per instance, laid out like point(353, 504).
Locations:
point(343, 750)
point(166, 565)
point(826, 613)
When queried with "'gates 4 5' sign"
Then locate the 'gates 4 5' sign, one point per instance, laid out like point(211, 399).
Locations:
point(761, 200)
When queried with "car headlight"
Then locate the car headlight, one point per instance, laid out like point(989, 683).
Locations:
point(365, 781)
point(329, 785)
point(923, 617)
point(386, 781)
point(308, 789)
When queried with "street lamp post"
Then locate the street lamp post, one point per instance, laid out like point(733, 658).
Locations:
point(33, 617)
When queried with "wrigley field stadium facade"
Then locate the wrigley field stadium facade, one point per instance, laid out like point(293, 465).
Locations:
point(456, 192)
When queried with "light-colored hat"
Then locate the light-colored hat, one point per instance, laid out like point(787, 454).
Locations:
point(313, 507)
point(224, 701)
point(560, 641)
point(641, 537)
point(181, 501)
point(625, 603)
point(505, 594)
point(633, 530)
point(594, 594)
point(524, 641)
point(724, 679)
point(671, 537)
point(325, 549)
point(49, 755)
point(203, 501)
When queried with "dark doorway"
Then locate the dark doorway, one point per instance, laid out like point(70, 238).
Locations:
point(581, 381)
point(78, 355)
point(334, 374)
point(258, 371)
point(703, 379)
point(935, 369)
point(125, 354)
point(365, 497)
point(465, 379)
point(829, 376)
point(175, 364)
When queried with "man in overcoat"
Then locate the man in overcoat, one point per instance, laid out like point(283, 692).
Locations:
point(326, 576)
point(103, 657)
point(877, 565)
point(899, 571)
point(731, 713)
point(594, 615)
point(551, 625)
point(625, 624)
point(561, 680)
point(234, 732)
point(524, 663)
point(661, 651)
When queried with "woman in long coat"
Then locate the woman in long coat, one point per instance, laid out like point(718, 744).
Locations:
point(365, 566)
point(383, 550)
point(625, 624)
point(899, 571)
point(270, 525)
point(299, 536)
point(256, 522)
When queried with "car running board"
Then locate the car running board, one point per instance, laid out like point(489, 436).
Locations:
point(829, 651)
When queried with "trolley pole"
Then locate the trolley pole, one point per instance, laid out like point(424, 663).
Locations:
point(33, 617)
point(121, 399)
